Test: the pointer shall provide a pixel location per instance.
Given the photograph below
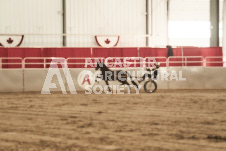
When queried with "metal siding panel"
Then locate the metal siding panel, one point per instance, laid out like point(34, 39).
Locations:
point(160, 23)
point(85, 17)
point(33, 16)
point(103, 17)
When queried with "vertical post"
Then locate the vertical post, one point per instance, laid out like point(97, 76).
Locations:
point(0, 63)
point(44, 63)
point(147, 23)
point(214, 23)
point(151, 20)
point(182, 54)
point(224, 29)
point(168, 10)
point(204, 61)
point(91, 51)
point(23, 63)
point(64, 22)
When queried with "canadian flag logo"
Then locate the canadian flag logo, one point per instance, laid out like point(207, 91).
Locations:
point(107, 41)
point(11, 40)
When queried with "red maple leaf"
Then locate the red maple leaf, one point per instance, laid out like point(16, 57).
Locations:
point(10, 40)
point(107, 41)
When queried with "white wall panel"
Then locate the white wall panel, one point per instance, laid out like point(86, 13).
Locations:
point(32, 17)
point(159, 24)
point(106, 17)
point(87, 18)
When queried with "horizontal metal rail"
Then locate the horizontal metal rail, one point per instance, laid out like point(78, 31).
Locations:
point(44, 59)
point(45, 62)
point(9, 61)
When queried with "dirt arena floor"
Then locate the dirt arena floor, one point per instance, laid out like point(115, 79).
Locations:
point(166, 120)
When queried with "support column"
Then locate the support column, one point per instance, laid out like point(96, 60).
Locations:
point(214, 23)
point(64, 22)
point(147, 22)
point(224, 28)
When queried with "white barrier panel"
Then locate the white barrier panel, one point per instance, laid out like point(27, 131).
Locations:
point(34, 80)
point(215, 78)
point(11, 80)
point(75, 73)
point(161, 82)
point(194, 78)
point(133, 71)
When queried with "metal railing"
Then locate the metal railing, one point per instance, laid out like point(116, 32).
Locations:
point(215, 61)
point(43, 62)
point(186, 61)
point(125, 62)
point(83, 62)
point(150, 60)
point(12, 62)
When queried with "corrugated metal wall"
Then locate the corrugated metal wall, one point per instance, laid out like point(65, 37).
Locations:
point(32, 16)
point(105, 17)
point(188, 22)
point(158, 23)
point(84, 20)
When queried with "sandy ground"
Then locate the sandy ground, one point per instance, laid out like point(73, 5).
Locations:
point(165, 120)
